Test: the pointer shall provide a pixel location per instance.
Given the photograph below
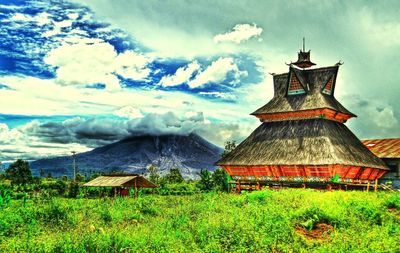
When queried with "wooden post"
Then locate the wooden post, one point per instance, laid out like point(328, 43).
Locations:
point(115, 192)
point(369, 182)
point(376, 185)
point(258, 186)
point(398, 169)
point(136, 193)
point(238, 189)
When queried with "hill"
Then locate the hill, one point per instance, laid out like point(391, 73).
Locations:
point(189, 153)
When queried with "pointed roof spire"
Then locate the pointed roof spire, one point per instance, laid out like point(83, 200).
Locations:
point(303, 60)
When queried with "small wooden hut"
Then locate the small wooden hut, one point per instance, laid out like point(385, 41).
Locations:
point(302, 138)
point(121, 183)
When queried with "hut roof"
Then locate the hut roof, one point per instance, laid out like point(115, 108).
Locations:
point(384, 148)
point(313, 81)
point(121, 181)
point(302, 142)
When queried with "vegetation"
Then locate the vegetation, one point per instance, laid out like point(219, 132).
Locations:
point(263, 221)
point(229, 146)
point(58, 215)
point(19, 173)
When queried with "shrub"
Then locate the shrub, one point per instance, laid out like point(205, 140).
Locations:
point(73, 190)
point(60, 186)
point(393, 202)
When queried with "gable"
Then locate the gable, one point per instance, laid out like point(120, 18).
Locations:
point(328, 88)
point(295, 86)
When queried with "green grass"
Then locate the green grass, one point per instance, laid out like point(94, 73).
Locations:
point(263, 221)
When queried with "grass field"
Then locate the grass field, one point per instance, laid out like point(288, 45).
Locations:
point(290, 220)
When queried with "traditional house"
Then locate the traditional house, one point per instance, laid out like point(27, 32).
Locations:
point(302, 138)
point(121, 183)
point(389, 151)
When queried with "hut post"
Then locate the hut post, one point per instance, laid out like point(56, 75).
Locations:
point(238, 189)
point(136, 194)
point(376, 185)
point(369, 182)
point(258, 186)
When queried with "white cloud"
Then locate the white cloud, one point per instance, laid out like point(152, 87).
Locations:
point(49, 98)
point(217, 72)
point(63, 24)
point(217, 94)
point(8, 135)
point(376, 118)
point(182, 75)
point(83, 64)
point(239, 33)
point(128, 112)
point(41, 18)
point(132, 65)
point(73, 16)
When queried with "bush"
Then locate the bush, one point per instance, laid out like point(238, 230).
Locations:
point(73, 190)
point(393, 202)
point(60, 186)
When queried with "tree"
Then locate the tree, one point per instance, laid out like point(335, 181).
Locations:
point(220, 179)
point(49, 175)
point(42, 173)
point(205, 183)
point(19, 172)
point(79, 178)
point(174, 176)
point(73, 190)
point(154, 176)
point(61, 186)
point(229, 146)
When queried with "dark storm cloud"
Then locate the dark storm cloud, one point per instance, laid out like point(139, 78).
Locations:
point(96, 132)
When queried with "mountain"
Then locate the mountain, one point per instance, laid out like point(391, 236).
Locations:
point(189, 153)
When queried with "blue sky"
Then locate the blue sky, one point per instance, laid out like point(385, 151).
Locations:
point(75, 75)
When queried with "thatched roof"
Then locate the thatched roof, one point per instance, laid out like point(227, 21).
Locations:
point(302, 142)
point(384, 148)
point(121, 181)
point(313, 81)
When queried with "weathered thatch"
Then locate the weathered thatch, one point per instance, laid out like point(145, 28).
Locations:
point(131, 180)
point(302, 142)
point(313, 81)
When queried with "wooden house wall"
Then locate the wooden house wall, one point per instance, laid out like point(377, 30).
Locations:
point(304, 171)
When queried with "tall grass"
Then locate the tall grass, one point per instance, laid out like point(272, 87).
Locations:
point(263, 221)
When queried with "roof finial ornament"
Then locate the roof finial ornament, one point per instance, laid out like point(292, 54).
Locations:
point(339, 63)
point(303, 60)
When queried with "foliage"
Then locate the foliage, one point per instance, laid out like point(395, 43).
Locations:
point(154, 176)
point(229, 146)
point(79, 177)
point(220, 180)
point(73, 190)
point(19, 172)
point(61, 186)
point(174, 176)
point(261, 221)
point(205, 183)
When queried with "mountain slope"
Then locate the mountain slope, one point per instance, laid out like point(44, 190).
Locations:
point(189, 153)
